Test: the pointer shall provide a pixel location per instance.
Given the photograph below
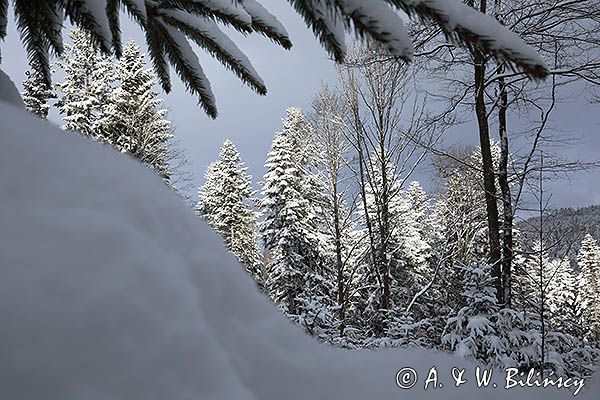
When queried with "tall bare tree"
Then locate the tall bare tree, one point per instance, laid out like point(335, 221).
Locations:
point(331, 136)
point(567, 35)
point(383, 117)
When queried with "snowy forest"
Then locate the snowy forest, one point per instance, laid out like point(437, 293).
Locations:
point(340, 233)
point(330, 232)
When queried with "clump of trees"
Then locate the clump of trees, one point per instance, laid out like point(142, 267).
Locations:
point(111, 101)
point(323, 264)
point(381, 262)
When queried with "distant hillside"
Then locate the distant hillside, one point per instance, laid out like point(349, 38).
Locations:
point(564, 228)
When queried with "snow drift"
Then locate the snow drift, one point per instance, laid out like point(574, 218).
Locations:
point(111, 288)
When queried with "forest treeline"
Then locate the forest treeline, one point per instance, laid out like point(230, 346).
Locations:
point(319, 250)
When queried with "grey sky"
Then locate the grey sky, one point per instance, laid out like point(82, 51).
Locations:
point(293, 77)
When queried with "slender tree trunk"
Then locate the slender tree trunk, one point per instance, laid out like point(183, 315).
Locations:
point(375, 256)
point(541, 266)
point(507, 200)
point(338, 257)
point(384, 226)
point(489, 179)
point(363, 194)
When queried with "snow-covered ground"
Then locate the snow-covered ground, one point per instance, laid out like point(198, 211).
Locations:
point(111, 288)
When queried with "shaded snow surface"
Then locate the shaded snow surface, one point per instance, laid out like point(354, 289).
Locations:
point(111, 288)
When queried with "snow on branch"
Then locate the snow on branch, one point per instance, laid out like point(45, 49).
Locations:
point(469, 27)
point(266, 24)
point(40, 25)
point(207, 34)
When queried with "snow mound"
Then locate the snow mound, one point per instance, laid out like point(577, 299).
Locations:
point(8, 91)
point(111, 288)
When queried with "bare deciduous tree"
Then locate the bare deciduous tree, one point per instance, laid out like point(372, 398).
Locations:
point(567, 35)
point(386, 122)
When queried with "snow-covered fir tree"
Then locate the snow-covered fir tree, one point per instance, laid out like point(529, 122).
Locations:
point(132, 118)
point(464, 203)
point(36, 93)
point(226, 202)
point(296, 268)
point(534, 280)
point(461, 214)
point(86, 86)
point(426, 251)
point(414, 232)
point(318, 299)
point(568, 352)
point(417, 231)
point(562, 298)
point(588, 261)
point(307, 156)
point(472, 332)
point(550, 343)
point(420, 206)
point(492, 335)
point(507, 337)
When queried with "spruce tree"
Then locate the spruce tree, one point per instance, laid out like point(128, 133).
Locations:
point(588, 260)
point(296, 268)
point(472, 332)
point(36, 93)
point(419, 204)
point(86, 86)
point(540, 300)
point(416, 231)
point(132, 120)
point(424, 248)
point(461, 212)
point(481, 330)
point(285, 227)
point(464, 209)
point(225, 201)
point(307, 157)
point(562, 298)
point(412, 234)
point(114, 102)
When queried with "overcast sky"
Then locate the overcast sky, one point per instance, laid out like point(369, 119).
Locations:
point(293, 77)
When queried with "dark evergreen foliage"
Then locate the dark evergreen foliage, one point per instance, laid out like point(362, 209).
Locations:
point(169, 24)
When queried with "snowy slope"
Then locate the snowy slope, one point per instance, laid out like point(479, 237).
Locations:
point(111, 288)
